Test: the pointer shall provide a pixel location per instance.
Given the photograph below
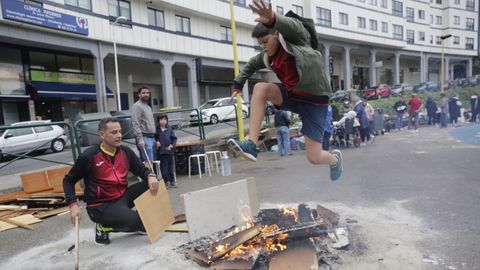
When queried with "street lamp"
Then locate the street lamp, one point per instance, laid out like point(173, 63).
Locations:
point(442, 75)
point(118, 20)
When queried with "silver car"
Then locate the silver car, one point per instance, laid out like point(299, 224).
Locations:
point(21, 140)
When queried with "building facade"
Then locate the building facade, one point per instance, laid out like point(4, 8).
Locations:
point(57, 57)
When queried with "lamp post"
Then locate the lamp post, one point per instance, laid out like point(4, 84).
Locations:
point(118, 20)
point(442, 75)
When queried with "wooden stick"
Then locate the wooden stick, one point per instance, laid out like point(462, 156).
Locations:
point(77, 242)
point(19, 224)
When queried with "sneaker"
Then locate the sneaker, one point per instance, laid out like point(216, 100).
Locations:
point(363, 144)
point(173, 184)
point(246, 149)
point(337, 169)
point(101, 234)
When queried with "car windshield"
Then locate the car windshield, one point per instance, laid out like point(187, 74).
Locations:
point(208, 104)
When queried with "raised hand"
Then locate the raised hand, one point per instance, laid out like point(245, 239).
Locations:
point(264, 12)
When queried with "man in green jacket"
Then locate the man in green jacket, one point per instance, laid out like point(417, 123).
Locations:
point(304, 89)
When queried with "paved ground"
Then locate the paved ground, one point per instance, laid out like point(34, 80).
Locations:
point(414, 195)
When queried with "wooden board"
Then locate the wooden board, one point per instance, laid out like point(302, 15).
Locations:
point(35, 182)
point(180, 227)
point(155, 211)
point(220, 207)
point(12, 197)
point(49, 213)
point(299, 255)
point(26, 219)
point(55, 179)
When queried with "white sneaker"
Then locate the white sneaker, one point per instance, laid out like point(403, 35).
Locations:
point(363, 144)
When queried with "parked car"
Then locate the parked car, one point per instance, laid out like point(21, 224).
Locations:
point(428, 86)
point(377, 91)
point(21, 140)
point(401, 89)
point(216, 110)
point(338, 96)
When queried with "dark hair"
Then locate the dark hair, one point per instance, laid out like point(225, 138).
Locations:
point(260, 30)
point(143, 87)
point(161, 116)
point(102, 125)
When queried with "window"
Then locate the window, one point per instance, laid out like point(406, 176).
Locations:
point(438, 40)
point(12, 79)
point(67, 63)
point(421, 14)
point(385, 27)
point(457, 2)
point(21, 131)
point(456, 20)
point(397, 32)
point(431, 39)
point(298, 10)
point(470, 5)
point(373, 25)
point(421, 36)
point(156, 18)
point(361, 22)
point(439, 2)
point(372, 2)
point(87, 65)
point(410, 14)
point(397, 8)
point(42, 61)
point(384, 4)
point(117, 8)
point(182, 24)
point(456, 40)
point(469, 24)
point(43, 129)
point(410, 36)
point(280, 10)
point(343, 18)
point(85, 4)
point(226, 33)
point(324, 17)
point(33, 3)
point(438, 20)
point(431, 19)
point(469, 43)
point(239, 2)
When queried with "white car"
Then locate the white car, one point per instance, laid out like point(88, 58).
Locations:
point(21, 140)
point(216, 110)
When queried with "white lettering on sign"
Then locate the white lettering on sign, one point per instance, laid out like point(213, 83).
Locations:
point(31, 8)
point(53, 14)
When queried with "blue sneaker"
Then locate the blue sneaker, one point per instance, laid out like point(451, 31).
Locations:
point(246, 149)
point(337, 169)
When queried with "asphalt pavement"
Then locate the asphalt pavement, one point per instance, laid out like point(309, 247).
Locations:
point(413, 197)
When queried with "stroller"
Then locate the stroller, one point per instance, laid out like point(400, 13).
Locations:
point(346, 131)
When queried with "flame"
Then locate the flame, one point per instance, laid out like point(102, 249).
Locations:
point(222, 248)
point(290, 212)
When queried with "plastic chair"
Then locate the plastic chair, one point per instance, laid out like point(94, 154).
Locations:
point(214, 153)
point(198, 156)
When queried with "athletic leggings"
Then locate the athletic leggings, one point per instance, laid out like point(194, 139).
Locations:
point(118, 214)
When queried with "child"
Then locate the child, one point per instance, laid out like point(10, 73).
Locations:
point(166, 141)
point(304, 89)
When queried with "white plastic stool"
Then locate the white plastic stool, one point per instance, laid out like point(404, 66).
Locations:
point(207, 164)
point(214, 153)
point(156, 168)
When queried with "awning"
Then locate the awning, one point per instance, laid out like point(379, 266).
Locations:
point(67, 90)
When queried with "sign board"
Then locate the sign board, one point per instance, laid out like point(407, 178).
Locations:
point(23, 12)
point(61, 77)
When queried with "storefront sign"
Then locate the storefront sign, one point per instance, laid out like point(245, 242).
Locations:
point(22, 12)
point(61, 77)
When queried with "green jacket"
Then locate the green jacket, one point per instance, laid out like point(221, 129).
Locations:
point(295, 39)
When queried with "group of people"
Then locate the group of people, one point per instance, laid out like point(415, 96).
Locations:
point(290, 49)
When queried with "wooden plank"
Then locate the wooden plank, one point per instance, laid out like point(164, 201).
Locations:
point(329, 214)
point(180, 218)
point(200, 258)
point(233, 265)
point(183, 228)
point(300, 255)
point(18, 223)
point(35, 182)
point(219, 207)
point(45, 214)
point(12, 197)
point(155, 211)
point(26, 219)
point(55, 178)
point(234, 241)
point(9, 207)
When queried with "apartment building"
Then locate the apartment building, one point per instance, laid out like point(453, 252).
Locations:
point(57, 57)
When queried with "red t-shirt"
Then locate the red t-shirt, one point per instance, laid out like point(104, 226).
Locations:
point(283, 64)
point(415, 104)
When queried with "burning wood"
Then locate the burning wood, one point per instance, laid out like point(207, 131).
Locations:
point(262, 241)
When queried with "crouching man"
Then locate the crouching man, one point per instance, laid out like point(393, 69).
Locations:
point(104, 169)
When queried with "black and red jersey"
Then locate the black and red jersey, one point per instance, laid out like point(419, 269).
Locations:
point(104, 176)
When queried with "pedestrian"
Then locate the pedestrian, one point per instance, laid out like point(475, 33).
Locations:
point(109, 198)
point(415, 106)
point(289, 49)
point(454, 107)
point(431, 110)
point(474, 107)
point(282, 123)
point(443, 110)
point(359, 108)
point(165, 144)
point(370, 111)
point(144, 125)
point(328, 129)
point(400, 108)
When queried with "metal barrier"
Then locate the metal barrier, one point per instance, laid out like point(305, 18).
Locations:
point(26, 154)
